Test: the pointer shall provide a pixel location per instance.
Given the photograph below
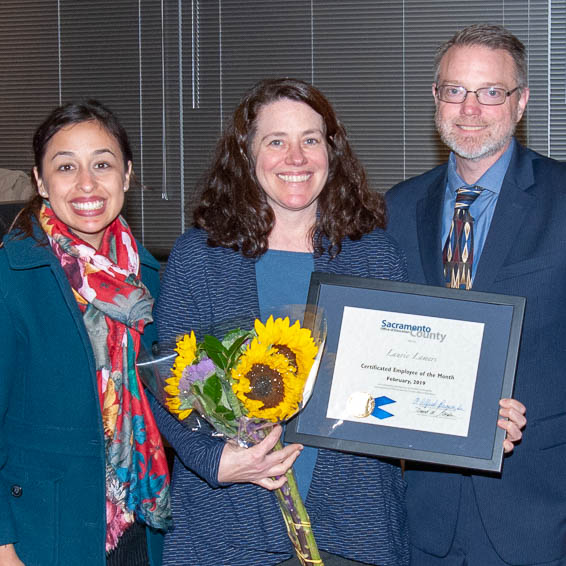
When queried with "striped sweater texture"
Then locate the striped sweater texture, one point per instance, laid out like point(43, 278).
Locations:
point(356, 503)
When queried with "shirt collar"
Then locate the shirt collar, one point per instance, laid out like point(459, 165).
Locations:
point(491, 180)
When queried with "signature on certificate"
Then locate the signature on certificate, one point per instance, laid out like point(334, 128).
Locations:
point(432, 407)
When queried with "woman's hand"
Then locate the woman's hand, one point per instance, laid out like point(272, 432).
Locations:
point(258, 464)
point(8, 556)
point(513, 421)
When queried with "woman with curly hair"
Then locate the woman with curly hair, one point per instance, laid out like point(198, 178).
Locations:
point(237, 210)
point(285, 196)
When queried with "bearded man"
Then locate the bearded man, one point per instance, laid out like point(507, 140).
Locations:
point(512, 202)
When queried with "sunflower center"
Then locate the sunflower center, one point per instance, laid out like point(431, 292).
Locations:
point(266, 385)
point(288, 353)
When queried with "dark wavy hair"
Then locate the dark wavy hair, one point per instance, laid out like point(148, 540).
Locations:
point(233, 208)
point(61, 117)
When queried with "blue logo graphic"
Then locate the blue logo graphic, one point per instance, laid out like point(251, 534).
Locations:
point(379, 402)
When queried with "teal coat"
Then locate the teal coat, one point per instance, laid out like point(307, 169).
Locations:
point(52, 463)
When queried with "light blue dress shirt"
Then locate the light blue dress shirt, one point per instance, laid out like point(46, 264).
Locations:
point(483, 207)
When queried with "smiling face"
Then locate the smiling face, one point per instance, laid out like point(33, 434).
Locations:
point(84, 177)
point(472, 130)
point(291, 155)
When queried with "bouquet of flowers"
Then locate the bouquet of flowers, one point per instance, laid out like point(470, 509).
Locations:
point(243, 385)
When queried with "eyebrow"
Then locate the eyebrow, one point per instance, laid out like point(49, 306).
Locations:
point(283, 134)
point(496, 84)
point(68, 153)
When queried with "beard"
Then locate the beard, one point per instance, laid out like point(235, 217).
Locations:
point(474, 147)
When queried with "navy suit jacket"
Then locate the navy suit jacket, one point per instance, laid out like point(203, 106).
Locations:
point(524, 508)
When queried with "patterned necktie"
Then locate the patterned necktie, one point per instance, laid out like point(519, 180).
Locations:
point(458, 252)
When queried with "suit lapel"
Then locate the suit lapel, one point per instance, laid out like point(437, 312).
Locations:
point(510, 212)
point(429, 229)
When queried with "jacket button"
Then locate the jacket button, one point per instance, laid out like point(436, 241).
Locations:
point(16, 490)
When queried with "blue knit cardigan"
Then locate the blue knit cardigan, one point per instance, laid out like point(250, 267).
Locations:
point(356, 503)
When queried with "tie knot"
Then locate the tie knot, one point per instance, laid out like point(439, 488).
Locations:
point(465, 196)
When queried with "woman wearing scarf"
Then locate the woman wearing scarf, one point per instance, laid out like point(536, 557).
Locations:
point(83, 475)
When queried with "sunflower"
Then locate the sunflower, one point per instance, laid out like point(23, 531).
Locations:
point(186, 349)
point(266, 383)
point(293, 342)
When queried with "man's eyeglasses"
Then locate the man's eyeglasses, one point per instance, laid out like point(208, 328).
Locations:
point(490, 96)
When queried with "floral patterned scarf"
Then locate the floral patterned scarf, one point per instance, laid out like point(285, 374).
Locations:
point(116, 306)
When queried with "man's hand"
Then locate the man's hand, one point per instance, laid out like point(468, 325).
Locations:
point(513, 421)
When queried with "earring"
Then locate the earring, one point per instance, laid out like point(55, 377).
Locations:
point(126, 188)
point(43, 193)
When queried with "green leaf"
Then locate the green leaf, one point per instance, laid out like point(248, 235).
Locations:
point(234, 351)
point(217, 414)
point(231, 336)
point(211, 343)
point(187, 398)
point(225, 413)
point(213, 389)
point(227, 428)
point(215, 350)
point(235, 335)
point(218, 359)
point(232, 399)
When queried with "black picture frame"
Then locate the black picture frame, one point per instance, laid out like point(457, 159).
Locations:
point(482, 448)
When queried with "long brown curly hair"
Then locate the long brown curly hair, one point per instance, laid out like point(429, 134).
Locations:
point(233, 208)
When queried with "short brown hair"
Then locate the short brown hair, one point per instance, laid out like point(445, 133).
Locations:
point(492, 37)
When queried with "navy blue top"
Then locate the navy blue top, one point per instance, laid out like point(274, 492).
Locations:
point(356, 503)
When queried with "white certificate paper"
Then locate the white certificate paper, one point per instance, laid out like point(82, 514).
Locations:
point(406, 371)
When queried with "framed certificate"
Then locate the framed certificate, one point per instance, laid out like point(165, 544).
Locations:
point(411, 371)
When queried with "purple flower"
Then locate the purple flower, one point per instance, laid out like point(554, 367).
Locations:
point(196, 372)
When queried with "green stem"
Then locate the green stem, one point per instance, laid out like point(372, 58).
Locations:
point(297, 519)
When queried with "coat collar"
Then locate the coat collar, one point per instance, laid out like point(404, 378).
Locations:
point(429, 228)
point(509, 217)
point(30, 252)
